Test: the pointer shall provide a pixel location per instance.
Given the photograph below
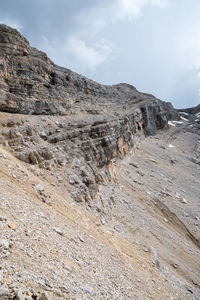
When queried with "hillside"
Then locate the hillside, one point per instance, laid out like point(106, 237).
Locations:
point(99, 186)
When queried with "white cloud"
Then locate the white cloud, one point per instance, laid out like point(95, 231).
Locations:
point(91, 21)
point(85, 46)
point(11, 23)
point(83, 57)
point(131, 9)
point(189, 46)
point(89, 56)
point(160, 3)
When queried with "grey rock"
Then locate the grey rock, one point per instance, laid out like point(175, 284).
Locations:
point(4, 244)
point(86, 289)
point(81, 239)
point(58, 231)
point(154, 258)
point(39, 187)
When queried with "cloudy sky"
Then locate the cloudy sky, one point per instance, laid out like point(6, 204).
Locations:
point(151, 44)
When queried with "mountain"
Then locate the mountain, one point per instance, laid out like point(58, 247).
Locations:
point(99, 186)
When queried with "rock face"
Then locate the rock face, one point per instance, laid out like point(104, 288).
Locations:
point(96, 124)
point(32, 84)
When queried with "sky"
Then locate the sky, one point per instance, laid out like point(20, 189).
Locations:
point(151, 44)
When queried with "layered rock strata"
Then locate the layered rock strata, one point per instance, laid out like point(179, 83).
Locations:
point(64, 120)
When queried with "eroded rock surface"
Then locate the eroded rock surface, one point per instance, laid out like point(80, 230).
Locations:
point(81, 126)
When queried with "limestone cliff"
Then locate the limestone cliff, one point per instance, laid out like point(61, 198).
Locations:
point(95, 125)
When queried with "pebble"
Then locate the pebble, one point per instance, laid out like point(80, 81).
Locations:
point(4, 243)
point(12, 226)
point(177, 195)
point(154, 161)
point(184, 201)
point(145, 250)
point(81, 239)
point(58, 231)
point(103, 221)
point(87, 289)
point(39, 187)
point(174, 265)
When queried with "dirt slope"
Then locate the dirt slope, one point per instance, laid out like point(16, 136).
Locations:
point(143, 243)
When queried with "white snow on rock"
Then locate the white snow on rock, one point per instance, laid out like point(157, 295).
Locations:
point(171, 124)
point(184, 119)
point(177, 122)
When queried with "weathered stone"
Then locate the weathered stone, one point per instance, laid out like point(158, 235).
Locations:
point(4, 243)
point(39, 187)
point(58, 231)
point(87, 289)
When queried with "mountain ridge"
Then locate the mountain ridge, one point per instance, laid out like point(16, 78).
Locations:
point(99, 186)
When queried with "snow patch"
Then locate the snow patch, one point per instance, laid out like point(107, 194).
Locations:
point(183, 113)
point(184, 119)
point(171, 124)
point(178, 122)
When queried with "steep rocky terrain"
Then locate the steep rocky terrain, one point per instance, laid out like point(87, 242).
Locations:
point(99, 186)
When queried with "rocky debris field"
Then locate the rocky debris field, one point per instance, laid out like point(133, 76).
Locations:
point(142, 242)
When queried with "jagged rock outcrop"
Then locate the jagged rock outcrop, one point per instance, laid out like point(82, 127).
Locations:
point(87, 126)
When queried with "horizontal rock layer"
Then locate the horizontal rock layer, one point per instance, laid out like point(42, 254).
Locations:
point(87, 125)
